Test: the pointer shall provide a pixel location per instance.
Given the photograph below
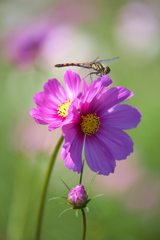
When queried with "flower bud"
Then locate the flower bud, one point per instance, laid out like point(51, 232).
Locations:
point(77, 196)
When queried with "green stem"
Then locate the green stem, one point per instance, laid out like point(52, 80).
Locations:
point(84, 224)
point(45, 186)
point(81, 175)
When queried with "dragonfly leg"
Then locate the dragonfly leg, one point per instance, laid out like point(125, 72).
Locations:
point(90, 74)
point(96, 73)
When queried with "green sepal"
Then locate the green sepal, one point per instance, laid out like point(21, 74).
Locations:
point(64, 212)
point(99, 195)
point(91, 183)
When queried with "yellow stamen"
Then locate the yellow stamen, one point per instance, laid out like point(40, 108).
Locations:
point(63, 108)
point(90, 124)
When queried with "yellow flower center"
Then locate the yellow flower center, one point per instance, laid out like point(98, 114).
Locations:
point(90, 124)
point(63, 108)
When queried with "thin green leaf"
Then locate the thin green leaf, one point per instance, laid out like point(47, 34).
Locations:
point(64, 183)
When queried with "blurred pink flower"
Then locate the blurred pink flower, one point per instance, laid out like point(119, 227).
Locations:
point(126, 175)
point(26, 45)
point(67, 44)
point(145, 194)
point(23, 46)
point(31, 139)
point(139, 189)
point(74, 12)
point(137, 26)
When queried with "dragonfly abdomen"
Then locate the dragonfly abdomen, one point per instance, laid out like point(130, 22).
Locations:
point(69, 64)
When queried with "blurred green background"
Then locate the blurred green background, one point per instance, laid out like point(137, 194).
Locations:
point(78, 31)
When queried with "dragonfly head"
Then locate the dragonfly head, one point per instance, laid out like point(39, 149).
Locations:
point(107, 70)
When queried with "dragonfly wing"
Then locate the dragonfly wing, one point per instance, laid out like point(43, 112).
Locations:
point(108, 60)
point(88, 63)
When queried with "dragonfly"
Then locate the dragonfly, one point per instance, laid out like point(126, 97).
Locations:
point(97, 66)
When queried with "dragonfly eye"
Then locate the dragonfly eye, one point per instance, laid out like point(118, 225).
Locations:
point(107, 70)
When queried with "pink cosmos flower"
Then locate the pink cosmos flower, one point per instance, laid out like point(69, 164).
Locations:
point(96, 127)
point(53, 103)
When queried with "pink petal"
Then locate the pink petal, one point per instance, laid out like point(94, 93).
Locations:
point(56, 122)
point(96, 88)
point(98, 157)
point(101, 82)
point(118, 142)
point(72, 149)
point(73, 84)
point(122, 116)
point(55, 91)
point(44, 118)
point(111, 98)
point(37, 116)
point(44, 103)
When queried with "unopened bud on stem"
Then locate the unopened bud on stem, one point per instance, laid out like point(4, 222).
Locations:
point(77, 196)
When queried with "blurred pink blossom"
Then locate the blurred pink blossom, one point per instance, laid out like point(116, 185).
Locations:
point(75, 12)
point(23, 46)
point(125, 176)
point(66, 43)
point(31, 139)
point(137, 26)
point(139, 189)
point(144, 195)
point(26, 45)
